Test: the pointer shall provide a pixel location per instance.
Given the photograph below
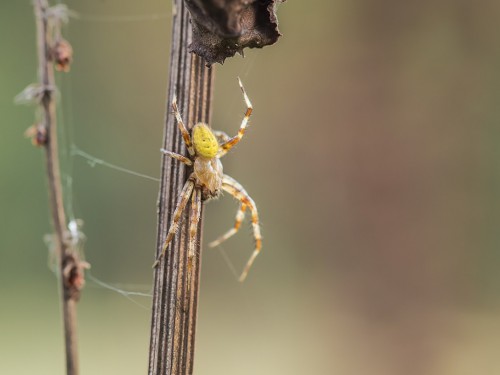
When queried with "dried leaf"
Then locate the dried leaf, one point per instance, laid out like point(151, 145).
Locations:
point(223, 27)
point(62, 55)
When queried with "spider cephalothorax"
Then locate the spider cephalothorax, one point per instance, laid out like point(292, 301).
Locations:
point(205, 147)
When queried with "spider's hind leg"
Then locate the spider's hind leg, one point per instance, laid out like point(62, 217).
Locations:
point(236, 190)
point(181, 205)
point(240, 216)
point(193, 226)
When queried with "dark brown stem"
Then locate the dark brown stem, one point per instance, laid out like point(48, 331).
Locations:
point(176, 286)
point(69, 267)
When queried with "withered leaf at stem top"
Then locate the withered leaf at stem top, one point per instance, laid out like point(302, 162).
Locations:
point(223, 27)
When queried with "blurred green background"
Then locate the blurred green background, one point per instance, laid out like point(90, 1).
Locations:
point(372, 155)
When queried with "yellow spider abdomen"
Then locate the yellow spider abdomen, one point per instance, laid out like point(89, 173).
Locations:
point(204, 141)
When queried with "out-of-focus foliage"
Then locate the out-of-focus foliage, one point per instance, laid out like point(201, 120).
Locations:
point(373, 155)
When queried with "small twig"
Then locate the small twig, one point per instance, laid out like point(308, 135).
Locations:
point(70, 267)
point(176, 287)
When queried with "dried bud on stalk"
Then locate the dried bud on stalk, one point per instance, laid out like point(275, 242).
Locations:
point(62, 55)
point(74, 275)
point(38, 134)
point(223, 27)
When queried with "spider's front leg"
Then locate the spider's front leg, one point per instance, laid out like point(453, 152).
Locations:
point(179, 157)
point(185, 134)
point(221, 136)
point(181, 205)
point(231, 142)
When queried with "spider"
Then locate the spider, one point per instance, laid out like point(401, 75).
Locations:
point(205, 147)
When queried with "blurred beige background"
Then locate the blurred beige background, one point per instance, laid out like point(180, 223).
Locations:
point(372, 155)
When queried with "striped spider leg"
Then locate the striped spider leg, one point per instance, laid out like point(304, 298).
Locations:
point(185, 194)
point(228, 144)
point(234, 188)
point(205, 148)
point(188, 191)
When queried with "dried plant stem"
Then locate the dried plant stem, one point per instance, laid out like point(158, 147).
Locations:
point(68, 263)
point(176, 287)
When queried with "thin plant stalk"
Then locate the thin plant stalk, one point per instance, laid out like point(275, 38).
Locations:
point(176, 286)
point(68, 264)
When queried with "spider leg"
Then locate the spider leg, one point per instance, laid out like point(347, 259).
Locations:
point(236, 190)
point(240, 216)
point(179, 157)
point(221, 136)
point(195, 219)
point(231, 142)
point(182, 127)
point(174, 226)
